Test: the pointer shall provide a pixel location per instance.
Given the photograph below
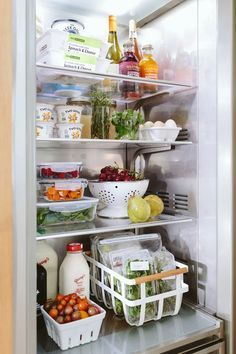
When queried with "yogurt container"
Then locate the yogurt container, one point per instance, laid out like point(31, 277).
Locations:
point(69, 131)
point(68, 25)
point(44, 129)
point(44, 112)
point(69, 114)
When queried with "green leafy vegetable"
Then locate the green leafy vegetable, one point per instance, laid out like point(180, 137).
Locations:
point(127, 124)
point(46, 217)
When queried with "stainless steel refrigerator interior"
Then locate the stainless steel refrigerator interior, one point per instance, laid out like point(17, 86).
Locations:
point(194, 175)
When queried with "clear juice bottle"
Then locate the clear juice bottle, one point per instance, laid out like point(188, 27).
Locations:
point(148, 68)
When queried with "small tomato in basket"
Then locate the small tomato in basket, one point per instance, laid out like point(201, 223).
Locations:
point(59, 297)
point(83, 305)
point(92, 310)
point(83, 314)
point(53, 313)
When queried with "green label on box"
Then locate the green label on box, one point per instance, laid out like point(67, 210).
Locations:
point(81, 58)
point(80, 40)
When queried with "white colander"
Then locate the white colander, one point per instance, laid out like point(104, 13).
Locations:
point(115, 195)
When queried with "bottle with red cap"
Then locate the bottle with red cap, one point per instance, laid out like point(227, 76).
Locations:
point(74, 272)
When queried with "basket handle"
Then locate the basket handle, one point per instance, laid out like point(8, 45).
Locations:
point(161, 275)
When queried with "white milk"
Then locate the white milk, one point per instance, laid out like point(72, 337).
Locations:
point(74, 272)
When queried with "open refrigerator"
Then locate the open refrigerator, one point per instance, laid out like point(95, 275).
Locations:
point(192, 175)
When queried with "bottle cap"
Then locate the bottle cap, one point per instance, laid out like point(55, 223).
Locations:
point(147, 47)
point(132, 25)
point(112, 23)
point(74, 247)
point(128, 46)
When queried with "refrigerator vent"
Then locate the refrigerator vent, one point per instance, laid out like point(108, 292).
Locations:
point(165, 197)
point(180, 202)
point(183, 135)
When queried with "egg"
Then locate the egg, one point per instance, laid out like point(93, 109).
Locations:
point(159, 124)
point(170, 123)
point(148, 124)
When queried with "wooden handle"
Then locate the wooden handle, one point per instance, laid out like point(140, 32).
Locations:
point(159, 276)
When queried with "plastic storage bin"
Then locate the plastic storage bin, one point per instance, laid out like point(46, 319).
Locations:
point(62, 190)
point(135, 311)
point(59, 170)
point(73, 334)
point(64, 213)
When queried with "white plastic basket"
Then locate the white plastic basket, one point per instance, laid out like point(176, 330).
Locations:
point(73, 334)
point(103, 281)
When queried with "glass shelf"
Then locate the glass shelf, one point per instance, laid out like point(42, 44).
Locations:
point(100, 225)
point(117, 337)
point(103, 143)
point(113, 84)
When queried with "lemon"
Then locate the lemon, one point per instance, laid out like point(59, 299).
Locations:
point(138, 209)
point(156, 204)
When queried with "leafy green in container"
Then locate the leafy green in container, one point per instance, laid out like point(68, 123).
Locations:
point(127, 124)
point(46, 217)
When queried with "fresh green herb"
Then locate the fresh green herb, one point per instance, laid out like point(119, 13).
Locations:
point(164, 286)
point(133, 292)
point(101, 104)
point(127, 124)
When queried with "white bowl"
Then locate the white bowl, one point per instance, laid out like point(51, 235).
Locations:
point(69, 114)
point(162, 134)
point(44, 129)
point(69, 131)
point(115, 195)
point(44, 112)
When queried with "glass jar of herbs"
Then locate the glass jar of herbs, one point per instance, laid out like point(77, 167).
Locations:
point(101, 104)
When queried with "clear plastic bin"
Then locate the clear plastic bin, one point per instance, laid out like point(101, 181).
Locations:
point(64, 213)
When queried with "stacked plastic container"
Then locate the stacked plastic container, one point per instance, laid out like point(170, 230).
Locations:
point(61, 195)
point(58, 122)
point(62, 49)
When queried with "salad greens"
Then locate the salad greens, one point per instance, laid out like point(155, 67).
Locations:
point(133, 292)
point(46, 217)
point(127, 123)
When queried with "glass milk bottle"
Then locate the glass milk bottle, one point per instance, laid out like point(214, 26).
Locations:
point(74, 272)
point(47, 257)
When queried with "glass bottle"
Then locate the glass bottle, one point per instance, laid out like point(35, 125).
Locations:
point(133, 38)
point(114, 53)
point(74, 272)
point(41, 292)
point(148, 68)
point(129, 66)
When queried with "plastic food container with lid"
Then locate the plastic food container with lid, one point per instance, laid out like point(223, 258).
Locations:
point(44, 112)
point(69, 131)
point(62, 190)
point(68, 25)
point(59, 170)
point(69, 114)
point(66, 213)
point(44, 129)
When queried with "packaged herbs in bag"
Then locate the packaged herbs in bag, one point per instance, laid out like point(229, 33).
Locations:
point(164, 261)
point(139, 264)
